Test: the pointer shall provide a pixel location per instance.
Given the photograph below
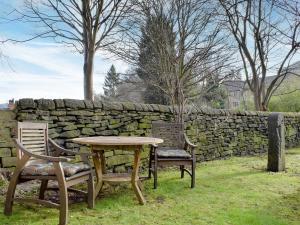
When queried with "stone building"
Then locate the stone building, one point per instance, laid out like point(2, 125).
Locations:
point(235, 91)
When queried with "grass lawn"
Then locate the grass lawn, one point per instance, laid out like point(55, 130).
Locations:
point(234, 191)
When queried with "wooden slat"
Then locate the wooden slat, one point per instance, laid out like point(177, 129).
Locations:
point(80, 174)
point(33, 131)
point(41, 150)
point(41, 138)
point(33, 135)
point(34, 146)
point(33, 142)
point(31, 125)
point(117, 177)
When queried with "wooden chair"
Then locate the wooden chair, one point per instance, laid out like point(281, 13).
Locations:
point(36, 163)
point(176, 150)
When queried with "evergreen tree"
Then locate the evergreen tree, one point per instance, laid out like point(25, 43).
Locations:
point(112, 80)
point(215, 94)
point(157, 36)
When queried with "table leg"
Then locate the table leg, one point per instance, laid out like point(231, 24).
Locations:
point(135, 176)
point(103, 164)
point(98, 170)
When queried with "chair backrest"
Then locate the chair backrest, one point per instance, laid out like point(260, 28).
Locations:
point(171, 133)
point(34, 137)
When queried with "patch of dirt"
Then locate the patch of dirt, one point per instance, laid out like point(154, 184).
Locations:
point(160, 199)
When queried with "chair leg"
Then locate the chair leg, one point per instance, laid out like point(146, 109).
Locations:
point(149, 168)
point(63, 204)
point(193, 174)
point(182, 171)
point(10, 194)
point(155, 174)
point(43, 188)
point(91, 192)
point(12, 185)
point(63, 194)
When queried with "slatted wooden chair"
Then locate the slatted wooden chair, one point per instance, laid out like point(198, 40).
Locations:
point(35, 162)
point(176, 150)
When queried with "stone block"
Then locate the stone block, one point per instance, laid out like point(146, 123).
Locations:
point(144, 125)
point(70, 134)
point(80, 113)
point(54, 135)
point(59, 103)
point(71, 145)
point(114, 121)
point(88, 104)
point(13, 151)
point(138, 107)
point(115, 126)
point(8, 161)
point(109, 153)
point(105, 133)
point(70, 127)
point(45, 104)
point(25, 116)
point(128, 106)
point(5, 152)
point(26, 103)
point(74, 104)
point(132, 126)
point(98, 105)
point(67, 118)
point(58, 113)
point(164, 108)
point(88, 131)
point(119, 169)
point(112, 106)
point(119, 160)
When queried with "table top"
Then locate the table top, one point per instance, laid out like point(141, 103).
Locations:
point(117, 140)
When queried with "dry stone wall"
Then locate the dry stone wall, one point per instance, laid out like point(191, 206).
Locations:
point(7, 131)
point(218, 133)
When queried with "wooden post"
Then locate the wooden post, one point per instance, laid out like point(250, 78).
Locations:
point(276, 152)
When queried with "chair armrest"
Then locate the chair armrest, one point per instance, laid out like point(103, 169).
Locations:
point(43, 157)
point(63, 150)
point(188, 143)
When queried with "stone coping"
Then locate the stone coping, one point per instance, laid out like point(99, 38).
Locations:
point(75, 104)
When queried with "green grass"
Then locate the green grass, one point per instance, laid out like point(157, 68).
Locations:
point(234, 191)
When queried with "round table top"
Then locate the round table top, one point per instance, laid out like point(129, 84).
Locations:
point(118, 140)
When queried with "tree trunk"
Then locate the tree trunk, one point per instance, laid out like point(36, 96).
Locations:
point(88, 74)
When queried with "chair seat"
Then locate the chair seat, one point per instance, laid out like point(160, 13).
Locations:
point(172, 153)
point(47, 169)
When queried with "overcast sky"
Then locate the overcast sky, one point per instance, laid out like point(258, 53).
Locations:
point(41, 69)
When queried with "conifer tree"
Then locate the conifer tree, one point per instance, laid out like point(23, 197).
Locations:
point(112, 80)
point(157, 35)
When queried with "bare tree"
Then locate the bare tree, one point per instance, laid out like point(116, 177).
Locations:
point(85, 25)
point(267, 37)
point(198, 48)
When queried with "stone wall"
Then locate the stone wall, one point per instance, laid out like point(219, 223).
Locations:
point(7, 131)
point(218, 133)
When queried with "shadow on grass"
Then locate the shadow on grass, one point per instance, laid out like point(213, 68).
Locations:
point(234, 175)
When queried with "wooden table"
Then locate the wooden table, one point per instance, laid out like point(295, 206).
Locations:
point(102, 143)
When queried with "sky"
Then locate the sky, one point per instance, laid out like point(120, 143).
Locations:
point(45, 69)
point(42, 68)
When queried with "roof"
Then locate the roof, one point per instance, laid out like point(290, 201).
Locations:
point(234, 85)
